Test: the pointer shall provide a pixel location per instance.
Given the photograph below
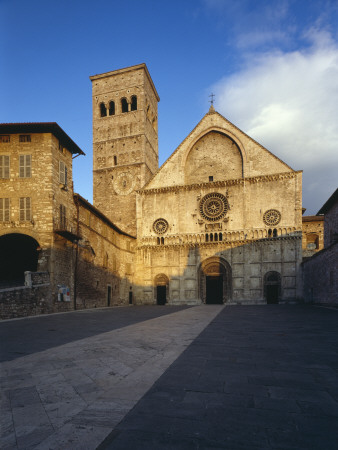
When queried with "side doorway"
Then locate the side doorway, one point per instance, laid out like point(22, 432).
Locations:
point(161, 288)
point(272, 287)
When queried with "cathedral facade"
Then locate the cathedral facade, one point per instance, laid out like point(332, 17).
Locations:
point(219, 222)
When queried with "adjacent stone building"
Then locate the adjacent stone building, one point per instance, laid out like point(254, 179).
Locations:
point(321, 270)
point(57, 251)
point(313, 235)
point(219, 222)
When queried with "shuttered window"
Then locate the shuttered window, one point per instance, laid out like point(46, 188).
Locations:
point(63, 173)
point(25, 169)
point(4, 209)
point(4, 166)
point(25, 209)
point(25, 138)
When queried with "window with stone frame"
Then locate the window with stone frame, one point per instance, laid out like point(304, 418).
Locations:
point(87, 218)
point(25, 166)
point(25, 138)
point(4, 166)
point(63, 173)
point(5, 138)
point(63, 217)
point(111, 108)
point(105, 260)
point(4, 209)
point(133, 106)
point(103, 110)
point(124, 105)
point(25, 209)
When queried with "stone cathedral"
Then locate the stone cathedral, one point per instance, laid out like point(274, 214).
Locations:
point(219, 222)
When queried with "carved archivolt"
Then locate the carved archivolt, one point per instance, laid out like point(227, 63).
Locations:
point(213, 206)
point(160, 226)
point(161, 280)
point(272, 217)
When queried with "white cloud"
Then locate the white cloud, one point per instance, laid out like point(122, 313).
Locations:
point(289, 103)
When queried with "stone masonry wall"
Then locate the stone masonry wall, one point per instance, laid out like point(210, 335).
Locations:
point(331, 225)
point(105, 260)
point(248, 261)
point(29, 301)
point(125, 145)
point(320, 276)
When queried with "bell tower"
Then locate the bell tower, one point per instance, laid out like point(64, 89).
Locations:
point(125, 141)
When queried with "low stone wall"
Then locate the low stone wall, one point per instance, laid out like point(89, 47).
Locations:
point(34, 298)
point(25, 301)
point(36, 278)
point(320, 276)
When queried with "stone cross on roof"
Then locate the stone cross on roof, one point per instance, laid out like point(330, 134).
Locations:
point(212, 109)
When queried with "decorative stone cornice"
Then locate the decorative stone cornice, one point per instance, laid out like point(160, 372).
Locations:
point(220, 184)
point(218, 244)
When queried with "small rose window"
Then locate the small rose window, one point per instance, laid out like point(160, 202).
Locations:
point(272, 217)
point(160, 226)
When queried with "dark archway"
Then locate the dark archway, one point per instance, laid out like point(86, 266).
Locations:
point(215, 281)
point(124, 105)
point(272, 287)
point(162, 285)
point(18, 253)
point(133, 103)
point(214, 289)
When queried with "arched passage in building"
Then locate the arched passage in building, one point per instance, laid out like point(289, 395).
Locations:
point(18, 254)
point(272, 287)
point(215, 281)
point(162, 287)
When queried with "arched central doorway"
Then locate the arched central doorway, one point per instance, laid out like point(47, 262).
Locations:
point(18, 253)
point(215, 281)
point(161, 286)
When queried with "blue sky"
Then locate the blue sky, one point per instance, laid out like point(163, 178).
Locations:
point(273, 66)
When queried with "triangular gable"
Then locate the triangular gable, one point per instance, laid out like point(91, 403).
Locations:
point(255, 159)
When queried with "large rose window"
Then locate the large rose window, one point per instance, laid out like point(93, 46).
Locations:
point(213, 206)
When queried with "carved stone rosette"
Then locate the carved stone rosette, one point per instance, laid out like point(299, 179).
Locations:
point(213, 206)
point(272, 217)
point(160, 226)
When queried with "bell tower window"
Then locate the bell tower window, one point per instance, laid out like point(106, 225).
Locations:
point(111, 108)
point(124, 105)
point(103, 110)
point(134, 103)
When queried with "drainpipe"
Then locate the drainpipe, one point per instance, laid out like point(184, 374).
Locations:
point(76, 248)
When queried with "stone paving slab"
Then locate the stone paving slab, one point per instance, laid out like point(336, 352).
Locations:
point(61, 328)
point(257, 378)
point(71, 396)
